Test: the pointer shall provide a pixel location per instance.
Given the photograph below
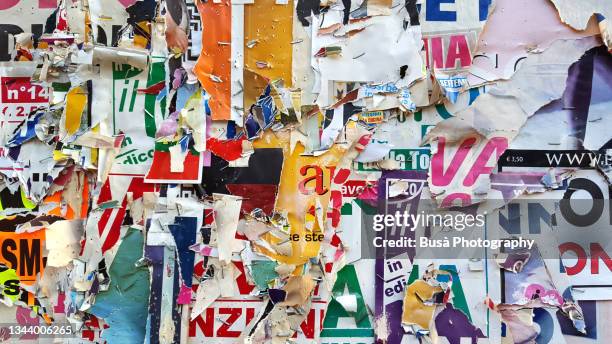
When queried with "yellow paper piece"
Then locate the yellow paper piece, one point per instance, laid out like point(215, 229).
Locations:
point(75, 104)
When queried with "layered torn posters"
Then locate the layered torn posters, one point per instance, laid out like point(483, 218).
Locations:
point(305, 171)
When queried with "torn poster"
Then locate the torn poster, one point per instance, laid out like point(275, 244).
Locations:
point(297, 171)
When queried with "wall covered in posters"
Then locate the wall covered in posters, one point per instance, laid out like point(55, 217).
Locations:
point(302, 171)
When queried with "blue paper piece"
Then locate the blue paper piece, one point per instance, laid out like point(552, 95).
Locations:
point(184, 231)
point(124, 306)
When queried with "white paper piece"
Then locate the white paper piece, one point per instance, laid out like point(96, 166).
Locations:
point(208, 292)
point(159, 234)
point(374, 151)
point(105, 14)
point(374, 54)
point(62, 239)
point(194, 117)
point(227, 213)
point(301, 71)
point(177, 158)
point(135, 57)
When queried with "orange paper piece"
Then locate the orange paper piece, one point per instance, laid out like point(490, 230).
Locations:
point(213, 67)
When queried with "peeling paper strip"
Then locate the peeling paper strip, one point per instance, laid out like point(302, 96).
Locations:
point(213, 67)
point(237, 59)
point(227, 211)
